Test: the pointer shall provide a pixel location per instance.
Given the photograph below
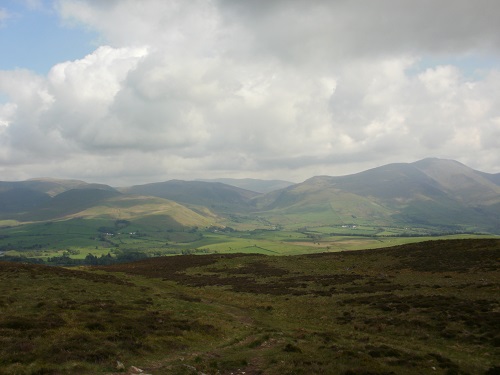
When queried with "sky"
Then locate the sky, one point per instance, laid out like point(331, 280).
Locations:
point(127, 92)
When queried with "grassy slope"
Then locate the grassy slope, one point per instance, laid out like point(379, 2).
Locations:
point(430, 307)
point(216, 196)
point(154, 218)
point(442, 194)
point(142, 208)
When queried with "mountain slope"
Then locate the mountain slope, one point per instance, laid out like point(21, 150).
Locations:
point(20, 200)
point(68, 203)
point(464, 183)
point(24, 197)
point(213, 195)
point(142, 209)
point(430, 192)
point(51, 186)
point(259, 186)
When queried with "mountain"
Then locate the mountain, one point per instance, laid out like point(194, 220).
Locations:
point(465, 184)
point(429, 192)
point(50, 186)
point(53, 199)
point(259, 186)
point(213, 195)
point(20, 200)
point(26, 197)
point(151, 211)
point(68, 203)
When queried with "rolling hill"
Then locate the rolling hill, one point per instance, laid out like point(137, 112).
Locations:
point(50, 186)
point(252, 184)
point(213, 195)
point(30, 201)
point(430, 192)
point(36, 199)
point(151, 211)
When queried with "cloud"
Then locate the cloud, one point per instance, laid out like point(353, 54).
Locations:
point(4, 15)
point(282, 89)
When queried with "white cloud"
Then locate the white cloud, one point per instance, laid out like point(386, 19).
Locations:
point(283, 89)
point(4, 15)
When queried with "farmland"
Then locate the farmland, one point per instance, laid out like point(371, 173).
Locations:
point(79, 237)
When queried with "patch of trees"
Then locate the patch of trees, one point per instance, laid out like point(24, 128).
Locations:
point(89, 260)
point(20, 247)
point(93, 260)
point(21, 259)
point(105, 230)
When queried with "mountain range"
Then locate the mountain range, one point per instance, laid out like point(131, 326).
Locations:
point(437, 193)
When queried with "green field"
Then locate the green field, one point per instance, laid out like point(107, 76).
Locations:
point(76, 238)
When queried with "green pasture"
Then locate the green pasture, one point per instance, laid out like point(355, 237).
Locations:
point(78, 237)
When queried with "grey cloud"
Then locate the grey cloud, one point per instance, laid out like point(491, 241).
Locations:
point(302, 31)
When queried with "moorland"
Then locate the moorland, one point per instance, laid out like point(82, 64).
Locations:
point(429, 307)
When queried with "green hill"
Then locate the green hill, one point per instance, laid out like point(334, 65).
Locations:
point(437, 194)
point(151, 211)
point(51, 186)
point(432, 192)
point(252, 184)
point(213, 195)
point(31, 197)
point(20, 200)
point(68, 203)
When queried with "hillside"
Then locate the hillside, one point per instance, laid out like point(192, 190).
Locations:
point(17, 200)
point(427, 196)
point(35, 199)
point(51, 186)
point(465, 184)
point(431, 307)
point(68, 203)
point(252, 184)
point(213, 195)
point(431, 192)
point(143, 209)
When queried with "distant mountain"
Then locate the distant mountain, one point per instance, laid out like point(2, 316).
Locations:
point(495, 178)
point(463, 183)
point(89, 203)
point(51, 186)
point(433, 192)
point(68, 203)
point(20, 200)
point(26, 197)
point(259, 186)
point(214, 195)
point(151, 211)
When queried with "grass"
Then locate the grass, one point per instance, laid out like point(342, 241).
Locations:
point(79, 237)
point(427, 307)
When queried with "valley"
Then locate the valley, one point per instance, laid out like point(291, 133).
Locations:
point(65, 221)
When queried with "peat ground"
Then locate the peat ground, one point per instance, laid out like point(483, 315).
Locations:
point(430, 307)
